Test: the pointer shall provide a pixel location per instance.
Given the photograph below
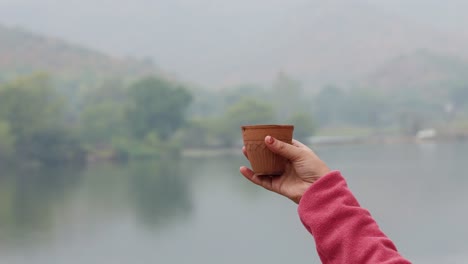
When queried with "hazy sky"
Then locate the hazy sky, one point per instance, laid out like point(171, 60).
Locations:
point(184, 36)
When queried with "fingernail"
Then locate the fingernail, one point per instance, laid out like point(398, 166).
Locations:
point(269, 139)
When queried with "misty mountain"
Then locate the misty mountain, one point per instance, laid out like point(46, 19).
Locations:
point(219, 43)
point(22, 52)
point(338, 42)
point(422, 70)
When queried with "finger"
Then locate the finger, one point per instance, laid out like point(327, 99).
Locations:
point(302, 146)
point(265, 182)
point(299, 144)
point(244, 150)
point(290, 152)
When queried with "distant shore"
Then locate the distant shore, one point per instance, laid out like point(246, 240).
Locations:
point(337, 140)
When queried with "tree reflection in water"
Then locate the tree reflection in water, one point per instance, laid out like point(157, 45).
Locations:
point(35, 204)
point(160, 192)
point(30, 197)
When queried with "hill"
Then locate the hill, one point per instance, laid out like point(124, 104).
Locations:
point(22, 52)
point(419, 70)
point(218, 43)
point(341, 42)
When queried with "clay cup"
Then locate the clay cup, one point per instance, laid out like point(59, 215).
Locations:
point(262, 160)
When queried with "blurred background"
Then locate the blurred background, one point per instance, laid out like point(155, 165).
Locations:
point(120, 125)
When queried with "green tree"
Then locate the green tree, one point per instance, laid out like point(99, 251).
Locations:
point(52, 147)
point(328, 105)
point(244, 112)
point(304, 126)
point(150, 147)
point(109, 90)
point(200, 132)
point(7, 141)
point(364, 107)
point(102, 122)
point(31, 104)
point(157, 105)
point(35, 113)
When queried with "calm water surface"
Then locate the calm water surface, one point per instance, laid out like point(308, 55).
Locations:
point(202, 210)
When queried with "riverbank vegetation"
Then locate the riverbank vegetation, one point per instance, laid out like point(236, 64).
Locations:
point(154, 117)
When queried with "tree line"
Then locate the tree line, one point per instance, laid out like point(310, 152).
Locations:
point(41, 121)
point(37, 124)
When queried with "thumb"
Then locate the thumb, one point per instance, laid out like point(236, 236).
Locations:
point(283, 149)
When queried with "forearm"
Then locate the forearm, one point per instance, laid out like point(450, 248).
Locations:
point(344, 232)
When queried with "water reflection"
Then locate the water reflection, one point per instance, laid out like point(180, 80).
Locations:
point(103, 214)
point(29, 197)
point(159, 192)
point(36, 204)
point(220, 172)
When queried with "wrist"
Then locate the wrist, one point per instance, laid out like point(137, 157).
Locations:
point(307, 183)
point(301, 189)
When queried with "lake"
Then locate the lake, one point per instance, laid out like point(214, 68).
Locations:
point(201, 210)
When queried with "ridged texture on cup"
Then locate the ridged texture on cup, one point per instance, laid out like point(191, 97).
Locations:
point(262, 160)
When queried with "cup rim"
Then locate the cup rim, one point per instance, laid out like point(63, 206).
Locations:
point(263, 126)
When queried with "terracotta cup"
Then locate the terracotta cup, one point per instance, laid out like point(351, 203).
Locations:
point(262, 160)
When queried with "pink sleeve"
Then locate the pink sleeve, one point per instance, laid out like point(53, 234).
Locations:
point(344, 232)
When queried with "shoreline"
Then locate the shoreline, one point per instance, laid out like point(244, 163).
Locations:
point(334, 141)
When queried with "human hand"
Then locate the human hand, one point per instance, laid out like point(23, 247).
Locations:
point(304, 167)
